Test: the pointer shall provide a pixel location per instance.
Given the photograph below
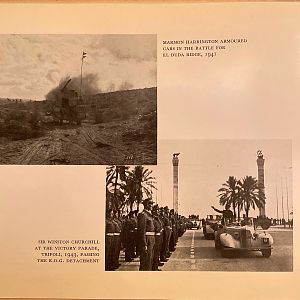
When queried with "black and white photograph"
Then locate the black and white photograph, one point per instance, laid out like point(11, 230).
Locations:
point(149, 149)
point(78, 99)
point(209, 205)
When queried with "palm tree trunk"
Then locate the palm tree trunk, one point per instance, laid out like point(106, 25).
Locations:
point(233, 206)
point(131, 205)
point(115, 189)
point(247, 208)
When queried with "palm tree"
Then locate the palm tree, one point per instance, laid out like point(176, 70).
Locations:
point(229, 193)
point(127, 187)
point(110, 173)
point(249, 194)
point(110, 180)
point(138, 183)
point(240, 204)
point(115, 194)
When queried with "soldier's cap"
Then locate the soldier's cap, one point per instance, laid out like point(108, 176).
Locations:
point(147, 201)
point(155, 207)
point(172, 210)
point(166, 208)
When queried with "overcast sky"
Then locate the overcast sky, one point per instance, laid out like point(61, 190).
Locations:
point(204, 165)
point(31, 65)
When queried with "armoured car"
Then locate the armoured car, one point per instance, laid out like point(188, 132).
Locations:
point(67, 105)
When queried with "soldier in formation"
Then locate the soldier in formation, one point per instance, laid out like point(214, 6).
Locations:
point(130, 228)
point(151, 235)
point(158, 228)
point(146, 236)
point(113, 239)
point(109, 240)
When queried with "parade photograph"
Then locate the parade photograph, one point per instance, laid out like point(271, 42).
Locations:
point(78, 99)
point(209, 205)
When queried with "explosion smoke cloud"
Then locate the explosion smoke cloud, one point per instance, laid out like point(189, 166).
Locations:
point(89, 85)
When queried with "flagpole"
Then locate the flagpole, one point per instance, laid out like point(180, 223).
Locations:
point(81, 77)
point(287, 199)
point(277, 203)
point(83, 56)
point(282, 200)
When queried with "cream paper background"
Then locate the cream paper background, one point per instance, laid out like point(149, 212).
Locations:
point(251, 91)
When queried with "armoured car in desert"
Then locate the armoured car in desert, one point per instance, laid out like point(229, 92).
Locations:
point(67, 106)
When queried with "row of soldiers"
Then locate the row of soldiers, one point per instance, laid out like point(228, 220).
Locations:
point(151, 235)
point(282, 222)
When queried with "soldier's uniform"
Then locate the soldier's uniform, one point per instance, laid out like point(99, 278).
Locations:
point(109, 244)
point(135, 248)
point(163, 257)
point(129, 238)
point(173, 233)
point(117, 242)
point(168, 231)
point(157, 246)
point(146, 240)
point(176, 228)
point(181, 226)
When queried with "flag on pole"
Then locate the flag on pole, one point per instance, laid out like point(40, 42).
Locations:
point(83, 54)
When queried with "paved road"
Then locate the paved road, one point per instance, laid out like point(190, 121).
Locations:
point(194, 253)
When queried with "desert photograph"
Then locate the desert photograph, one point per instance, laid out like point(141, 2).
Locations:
point(78, 99)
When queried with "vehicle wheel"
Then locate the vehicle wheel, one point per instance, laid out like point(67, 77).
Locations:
point(265, 226)
point(225, 253)
point(217, 244)
point(266, 253)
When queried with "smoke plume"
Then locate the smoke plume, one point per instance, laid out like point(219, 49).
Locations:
point(89, 86)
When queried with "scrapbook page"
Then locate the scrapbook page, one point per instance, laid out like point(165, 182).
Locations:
point(149, 150)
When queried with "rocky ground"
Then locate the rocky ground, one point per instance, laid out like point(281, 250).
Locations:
point(111, 143)
point(120, 128)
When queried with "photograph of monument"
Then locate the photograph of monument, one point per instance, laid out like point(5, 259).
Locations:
point(209, 205)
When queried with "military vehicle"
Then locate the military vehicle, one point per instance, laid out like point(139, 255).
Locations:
point(68, 106)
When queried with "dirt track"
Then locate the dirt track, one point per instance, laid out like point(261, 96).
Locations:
point(81, 145)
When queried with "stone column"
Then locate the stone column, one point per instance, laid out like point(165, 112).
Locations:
point(261, 180)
